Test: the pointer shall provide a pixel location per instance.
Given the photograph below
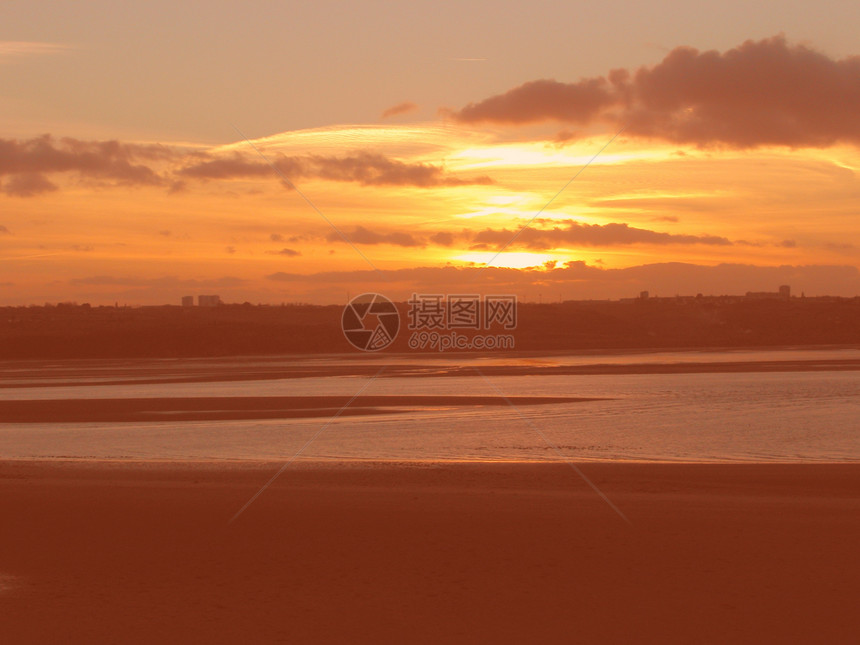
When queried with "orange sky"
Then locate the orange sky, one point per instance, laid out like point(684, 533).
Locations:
point(736, 169)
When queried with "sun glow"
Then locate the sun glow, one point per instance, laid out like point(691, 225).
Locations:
point(513, 260)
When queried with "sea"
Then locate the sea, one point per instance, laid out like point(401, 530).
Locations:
point(802, 410)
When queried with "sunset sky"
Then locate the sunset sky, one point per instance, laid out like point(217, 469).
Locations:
point(153, 150)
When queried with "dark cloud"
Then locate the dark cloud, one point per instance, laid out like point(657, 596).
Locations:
point(26, 164)
point(365, 168)
point(276, 237)
point(554, 234)
point(233, 167)
point(290, 253)
point(4, 230)
point(766, 92)
point(27, 160)
point(572, 233)
point(543, 100)
point(361, 235)
point(27, 184)
point(401, 108)
point(375, 169)
point(442, 238)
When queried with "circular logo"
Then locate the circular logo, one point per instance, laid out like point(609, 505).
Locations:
point(370, 322)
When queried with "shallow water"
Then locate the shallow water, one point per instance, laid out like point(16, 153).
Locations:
point(738, 416)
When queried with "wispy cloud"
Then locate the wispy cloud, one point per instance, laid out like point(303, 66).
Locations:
point(564, 234)
point(290, 253)
point(577, 279)
point(576, 234)
point(361, 235)
point(165, 281)
point(365, 168)
point(28, 165)
point(401, 108)
point(11, 49)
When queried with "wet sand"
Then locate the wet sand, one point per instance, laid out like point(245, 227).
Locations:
point(245, 407)
point(97, 552)
point(71, 373)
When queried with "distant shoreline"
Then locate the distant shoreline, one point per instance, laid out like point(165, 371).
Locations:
point(234, 330)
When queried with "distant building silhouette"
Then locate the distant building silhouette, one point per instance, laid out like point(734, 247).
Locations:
point(187, 301)
point(208, 301)
point(643, 295)
point(784, 293)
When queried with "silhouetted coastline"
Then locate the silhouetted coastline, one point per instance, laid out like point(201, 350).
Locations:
point(81, 331)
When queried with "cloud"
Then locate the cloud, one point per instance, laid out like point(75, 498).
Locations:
point(26, 160)
point(235, 167)
point(361, 235)
point(766, 92)
point(290, 253)
point(839, 246)
point(709, 203)
point(27, 184)
point(18, 48)
point(365, 168)
point(4, 230)
point(166, 281)
point(563, 234)
point(276, 237)
point(542, 100)
point(563, 136)
point(578, 280)
point(442, 238)
point(401, 108)
point(573, 233)
point(28, 163)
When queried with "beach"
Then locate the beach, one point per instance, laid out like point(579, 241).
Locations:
point(423, 552)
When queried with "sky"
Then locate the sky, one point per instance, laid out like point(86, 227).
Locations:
point(308, 152)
